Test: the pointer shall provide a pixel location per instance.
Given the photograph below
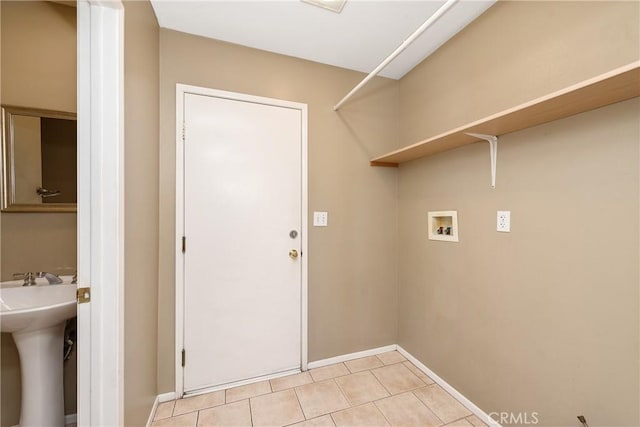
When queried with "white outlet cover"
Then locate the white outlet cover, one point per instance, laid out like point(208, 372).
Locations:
point(503, 223)
point(320, 219)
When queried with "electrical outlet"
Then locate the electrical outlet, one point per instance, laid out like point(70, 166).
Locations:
point(320, 219)
point(504, 221)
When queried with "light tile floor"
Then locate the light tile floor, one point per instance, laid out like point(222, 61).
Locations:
point(382, 390)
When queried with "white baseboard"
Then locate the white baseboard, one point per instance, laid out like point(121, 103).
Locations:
point(452, 391)
point(166, 397)
point(152, 414)
point(350, 356)
point(161, 398)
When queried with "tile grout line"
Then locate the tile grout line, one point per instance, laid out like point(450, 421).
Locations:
point(394, 363)
point(365, 403)
point(305, 420)
point(250, 412)
point(337, 376)
point(474, 415)
point(295, 393)
point(360, 405)
point(380, 381)
point(464, 417)
point(328, 413)
point(155, 416)
point(381, 361)
point(343, 395)
point(333, 420)
point(427, 406)
point(380, 410)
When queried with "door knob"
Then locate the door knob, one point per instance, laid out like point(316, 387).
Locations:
point(293, 254)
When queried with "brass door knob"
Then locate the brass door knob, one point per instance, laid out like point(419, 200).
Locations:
point(293, 254)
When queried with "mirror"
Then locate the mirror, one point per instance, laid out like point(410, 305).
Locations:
point(39, 165)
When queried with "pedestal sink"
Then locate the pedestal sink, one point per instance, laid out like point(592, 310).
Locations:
point(35, 316)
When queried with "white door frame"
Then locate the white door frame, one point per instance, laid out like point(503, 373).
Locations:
point(101, 212)
point(181, 90)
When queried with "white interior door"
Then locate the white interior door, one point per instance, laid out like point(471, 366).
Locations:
point(242, 218)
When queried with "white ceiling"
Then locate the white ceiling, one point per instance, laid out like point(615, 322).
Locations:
point(359, 38)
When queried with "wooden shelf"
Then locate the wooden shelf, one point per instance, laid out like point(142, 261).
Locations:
point(617, 85)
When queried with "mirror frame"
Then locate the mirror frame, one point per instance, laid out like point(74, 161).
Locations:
point(7, 187)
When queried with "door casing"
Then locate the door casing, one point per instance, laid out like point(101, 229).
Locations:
point(100, 215)
point(181, 90)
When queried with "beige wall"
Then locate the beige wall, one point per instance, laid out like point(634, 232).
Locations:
point(141, 211)
point(33, 252)
point(38, 57)
point(515, 52)
point(543, 319)
point(352, 263)
point(39, 71)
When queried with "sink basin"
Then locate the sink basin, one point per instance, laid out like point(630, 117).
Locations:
point(35, 316)
point(28, 308)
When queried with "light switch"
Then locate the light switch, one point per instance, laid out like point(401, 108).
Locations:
point(320, 219)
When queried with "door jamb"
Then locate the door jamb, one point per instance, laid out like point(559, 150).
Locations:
point(101, 211)
point(181, 90)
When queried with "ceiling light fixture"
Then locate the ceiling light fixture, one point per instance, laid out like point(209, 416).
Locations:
point(332, 5)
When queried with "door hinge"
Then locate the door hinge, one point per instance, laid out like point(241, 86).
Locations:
point(184, 131)
point(83, 295)
point(183, 357)
point(184, 244)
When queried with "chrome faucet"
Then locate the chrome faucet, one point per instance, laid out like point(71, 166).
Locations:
point(29, 278)
point(51, 278)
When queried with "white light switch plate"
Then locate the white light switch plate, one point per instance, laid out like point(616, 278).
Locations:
point(504, 221)
point(320, 219)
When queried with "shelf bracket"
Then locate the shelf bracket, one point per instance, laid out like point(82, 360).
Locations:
point(493, 152)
